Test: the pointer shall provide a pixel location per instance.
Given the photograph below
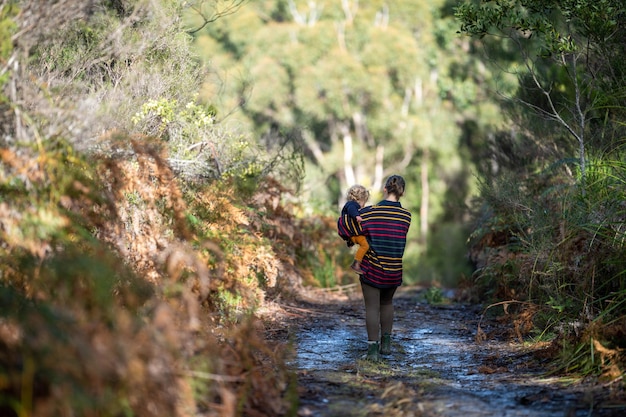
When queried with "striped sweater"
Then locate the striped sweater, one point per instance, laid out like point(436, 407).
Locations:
point(385, 225)
point(347, 225)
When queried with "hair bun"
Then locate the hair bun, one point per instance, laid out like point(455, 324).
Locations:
point(395, 185)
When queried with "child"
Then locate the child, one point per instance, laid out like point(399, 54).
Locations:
point(348, 225)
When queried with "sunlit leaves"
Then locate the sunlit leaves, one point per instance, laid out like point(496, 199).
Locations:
point(273, 101)
point(197, 146)
point(337, 86)
point(397, 54)
point(7, 26)
point(50, 205)
point(164, 112)
point(554, 22)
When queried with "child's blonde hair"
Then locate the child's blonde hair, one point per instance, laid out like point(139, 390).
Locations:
point(358, 193)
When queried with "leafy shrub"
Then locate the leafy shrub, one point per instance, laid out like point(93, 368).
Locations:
point(561, 246)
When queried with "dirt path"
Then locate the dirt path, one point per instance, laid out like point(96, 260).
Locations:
point(436, 368)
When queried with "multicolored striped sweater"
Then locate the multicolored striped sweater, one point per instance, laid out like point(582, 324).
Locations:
point(347, 225)
point(385, 225)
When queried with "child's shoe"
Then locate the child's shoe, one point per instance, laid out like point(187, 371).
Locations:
point(356, 267)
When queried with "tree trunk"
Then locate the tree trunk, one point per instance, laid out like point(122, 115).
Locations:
point(347, 155)
point(425, 197)
point(377, 184)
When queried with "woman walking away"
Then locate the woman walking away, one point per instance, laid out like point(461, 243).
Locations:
point(386, 225)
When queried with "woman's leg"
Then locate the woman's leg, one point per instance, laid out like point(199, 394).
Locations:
point(386, 310)
point(371, 296)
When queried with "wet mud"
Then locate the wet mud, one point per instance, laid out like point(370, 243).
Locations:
point(436, 368)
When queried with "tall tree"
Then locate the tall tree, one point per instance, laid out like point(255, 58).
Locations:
point(565, 54)
point(369, 87)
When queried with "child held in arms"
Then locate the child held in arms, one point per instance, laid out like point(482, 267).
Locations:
point(349, 223)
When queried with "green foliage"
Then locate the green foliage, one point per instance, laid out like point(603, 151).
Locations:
point(552, 23)
point(446, 241)
point(324, 273)
point(560, 246)
point(550, 229)
point(434, 295)
point(366, 90)
point(201, 149)
point(230, 306)
point(8, 27)
point(103, 63)
point(104, 273)
point(553, 49)
point(62, 290)
point(156, 117)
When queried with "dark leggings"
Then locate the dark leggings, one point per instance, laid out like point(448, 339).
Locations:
point(378, 310)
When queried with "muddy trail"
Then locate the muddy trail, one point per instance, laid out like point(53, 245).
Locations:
point(436, 368)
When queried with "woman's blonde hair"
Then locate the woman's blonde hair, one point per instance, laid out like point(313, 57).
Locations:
point(358, 193)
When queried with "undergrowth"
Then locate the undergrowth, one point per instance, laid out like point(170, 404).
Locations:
point(140, 240)
point(551, 251)
point(126, 292)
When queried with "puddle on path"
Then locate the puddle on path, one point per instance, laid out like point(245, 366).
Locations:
point(327, 349)
point(437, 344)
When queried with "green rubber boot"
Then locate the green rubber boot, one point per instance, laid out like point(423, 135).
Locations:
point(385, 344)
point(373, 354)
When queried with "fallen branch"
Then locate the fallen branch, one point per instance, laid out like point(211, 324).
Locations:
point(480, 334)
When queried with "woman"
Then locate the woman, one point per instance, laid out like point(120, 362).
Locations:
point(386, 225)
